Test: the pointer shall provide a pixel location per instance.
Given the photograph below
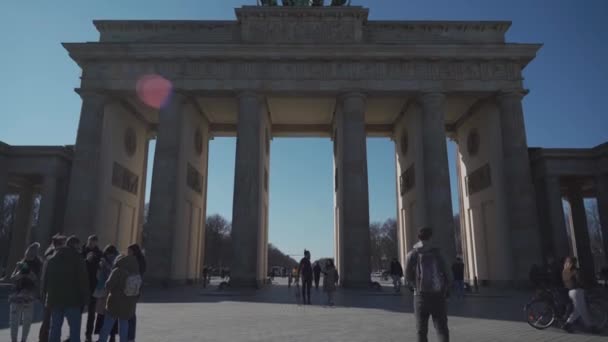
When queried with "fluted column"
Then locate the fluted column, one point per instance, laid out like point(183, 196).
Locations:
point(47, 212)
point(601, 187)
point(248, 221)
point(352, 198)
point(166, 177)
point(436, 178)
point(580, 229)
point(519, 191)
point(84, 189)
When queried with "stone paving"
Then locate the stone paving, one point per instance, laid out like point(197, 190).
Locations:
point(272, 314)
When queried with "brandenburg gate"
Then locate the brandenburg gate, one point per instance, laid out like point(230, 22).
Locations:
point(304, 71)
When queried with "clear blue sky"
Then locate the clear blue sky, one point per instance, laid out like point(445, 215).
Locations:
point(566, 106)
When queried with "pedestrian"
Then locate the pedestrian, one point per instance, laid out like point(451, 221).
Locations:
point(123, 288)
point(330, 279)
point(103, 273)
point(574, 282)
point(135, 250)
point(317, 274)
point(92, 256)
point(426, 272)
point(57, 241)
point(305, 271)
point(289, 277)
point(458, 274)
point(205, 271)
point(26, 280)
point(396, 271)
point(65, 285)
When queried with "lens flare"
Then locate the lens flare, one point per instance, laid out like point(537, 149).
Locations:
point(154, 90)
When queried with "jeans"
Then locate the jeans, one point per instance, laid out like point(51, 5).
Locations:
point(579, 307)
point(74, 318)
point(90, 317)
point(43, 336)
point(459, 288)
point(306, 285)
point(132, 327)
point(431, 305)
point(108, 323)
point(396, 282)
point(21, 313)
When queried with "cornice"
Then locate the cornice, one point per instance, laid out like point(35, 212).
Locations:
point(263, 12)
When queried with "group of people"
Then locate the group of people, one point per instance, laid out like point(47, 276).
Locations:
point(73, 279)
point(309, 273)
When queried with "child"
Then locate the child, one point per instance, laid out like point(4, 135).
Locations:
point(330, 279)
point(25, 278)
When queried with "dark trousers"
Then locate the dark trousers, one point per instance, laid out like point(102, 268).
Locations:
point(132, 326)
point(306, 285)
point(99, 324)
point(43, 336)
point(433, 305)
point(90, 317)
point(317, 279)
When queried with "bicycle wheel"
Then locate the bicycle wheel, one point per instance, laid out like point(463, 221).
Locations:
point(599, 316)
point(540, 314)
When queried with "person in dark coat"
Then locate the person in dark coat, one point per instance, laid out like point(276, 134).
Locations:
point(396, 272)
point(65, 287)
point(458, 274)
point(57, 241)
point(317, 274)
point(305, 271)
point(135, 250)
point(92, 256)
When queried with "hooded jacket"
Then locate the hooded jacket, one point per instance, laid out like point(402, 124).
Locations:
point(411, 264)
point(65, 282)
point(120, 305)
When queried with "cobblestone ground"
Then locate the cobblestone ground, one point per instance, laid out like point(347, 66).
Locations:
point(272, 314)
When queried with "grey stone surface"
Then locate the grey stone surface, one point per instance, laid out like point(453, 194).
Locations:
point(438, 200)
point(552, 215)
point(47, 213)
point(602, 206)
point(519, 191)
point(22, 226)
point(248, 210)
point(272, 315)
point(581, 242)
point(353, 199)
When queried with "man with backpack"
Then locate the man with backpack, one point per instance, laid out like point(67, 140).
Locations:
point(425, 271)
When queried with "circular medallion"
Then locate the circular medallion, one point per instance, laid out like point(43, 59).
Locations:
point(130, 141)
point(198, 141)
point(404, 142)
point(473, 142)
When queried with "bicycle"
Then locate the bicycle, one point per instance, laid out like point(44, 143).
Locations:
point(550, 307)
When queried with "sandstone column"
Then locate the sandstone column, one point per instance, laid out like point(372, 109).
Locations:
point(163, 197)
point(436, 178)
point(3, 181)
point(580, 229)
point(352, 198)
point(47, 212)
point(519, 191)
point(84, 189)
point(22, 226)
point(555, 217)
point(248, 219)
point(601, 187)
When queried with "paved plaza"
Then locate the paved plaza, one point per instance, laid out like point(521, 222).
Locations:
point(195, 314)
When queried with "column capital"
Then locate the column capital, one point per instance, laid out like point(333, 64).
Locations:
point(91, 94)
point(511, 95)
point(249, 94)
point(432, 97)
point(352, 93)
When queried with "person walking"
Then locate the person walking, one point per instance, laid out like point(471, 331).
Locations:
point(289, 278)
point(135, 250)
point(57, 241)
point(425, 271)
point(92, 256)
point(123, 287)
point(458, 274)
point(103, 273)
point(316, 271)
point(573, 281)
point(396, 272)
point(26, 279)
point(65, 285)
point(305, 271)
point(205, 271)
point(330, 279)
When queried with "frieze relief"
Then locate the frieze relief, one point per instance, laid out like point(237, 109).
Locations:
point(309, 70)
point(289, 31)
